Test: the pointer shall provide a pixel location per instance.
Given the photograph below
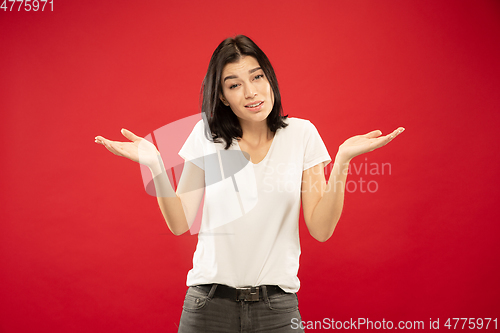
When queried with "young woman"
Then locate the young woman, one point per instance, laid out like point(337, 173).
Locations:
point(255, 167)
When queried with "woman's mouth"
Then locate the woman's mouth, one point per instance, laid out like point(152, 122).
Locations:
point(254, 106)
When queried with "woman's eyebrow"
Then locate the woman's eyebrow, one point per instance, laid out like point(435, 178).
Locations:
point(254, 70)
point(235, 76)
point(230, 77)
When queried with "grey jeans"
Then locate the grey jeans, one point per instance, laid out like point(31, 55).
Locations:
point(203, 313)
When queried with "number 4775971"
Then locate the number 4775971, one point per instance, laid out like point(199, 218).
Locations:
point(470, 323)
point(26, 5)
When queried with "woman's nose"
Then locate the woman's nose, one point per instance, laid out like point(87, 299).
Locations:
point(250, 91)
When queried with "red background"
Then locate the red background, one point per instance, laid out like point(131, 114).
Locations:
point(84, 248)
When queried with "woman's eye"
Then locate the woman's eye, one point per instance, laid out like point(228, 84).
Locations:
point(259, 76)
point(233, 86)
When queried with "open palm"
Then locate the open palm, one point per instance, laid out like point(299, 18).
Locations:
point(138, 149)
point(361, 144)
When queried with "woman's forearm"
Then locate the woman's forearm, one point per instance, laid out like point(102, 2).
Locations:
point(170, 204)
point(327, 212)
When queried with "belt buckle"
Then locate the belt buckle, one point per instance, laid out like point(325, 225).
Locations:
point(250, 294)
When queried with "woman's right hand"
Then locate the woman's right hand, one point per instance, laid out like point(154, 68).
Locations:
point(138, 150)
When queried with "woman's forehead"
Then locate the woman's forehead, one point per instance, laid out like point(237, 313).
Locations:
point(240, 67)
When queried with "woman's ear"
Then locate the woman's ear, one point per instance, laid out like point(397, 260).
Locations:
point(223, 100)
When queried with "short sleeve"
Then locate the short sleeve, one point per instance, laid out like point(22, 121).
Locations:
point(193, 149)
point(315, 150)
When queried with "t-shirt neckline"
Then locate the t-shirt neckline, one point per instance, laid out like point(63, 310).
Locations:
point(268, 151)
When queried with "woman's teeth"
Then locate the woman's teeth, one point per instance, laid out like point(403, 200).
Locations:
point(254, 105)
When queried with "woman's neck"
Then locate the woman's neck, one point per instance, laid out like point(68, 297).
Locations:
point(256, 133)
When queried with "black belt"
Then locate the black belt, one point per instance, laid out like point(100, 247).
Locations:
point(249, 294)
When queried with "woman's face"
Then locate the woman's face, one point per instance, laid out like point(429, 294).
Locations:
point(246, 90)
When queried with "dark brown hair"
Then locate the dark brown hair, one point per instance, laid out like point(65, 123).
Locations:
point(222, 122)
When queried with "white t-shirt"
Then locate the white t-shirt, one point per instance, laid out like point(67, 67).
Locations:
point(249, 233)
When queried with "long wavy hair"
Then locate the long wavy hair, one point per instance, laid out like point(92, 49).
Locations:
point(223, 125)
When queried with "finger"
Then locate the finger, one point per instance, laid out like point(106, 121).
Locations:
point(100, 140)
point(107, 143)
point(129, 135)
point(373, 134)
point(382, 141)
point(396, 132)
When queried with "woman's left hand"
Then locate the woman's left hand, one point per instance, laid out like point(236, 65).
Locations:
point(361, 144)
